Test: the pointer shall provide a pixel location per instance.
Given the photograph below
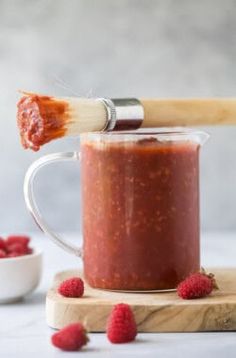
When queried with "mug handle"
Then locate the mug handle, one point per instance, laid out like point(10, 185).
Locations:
point(32, 205)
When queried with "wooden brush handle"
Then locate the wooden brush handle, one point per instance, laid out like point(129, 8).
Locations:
point(43, 118)
point(188, 112)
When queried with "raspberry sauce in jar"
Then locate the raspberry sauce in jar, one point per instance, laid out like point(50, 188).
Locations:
point(140, 196)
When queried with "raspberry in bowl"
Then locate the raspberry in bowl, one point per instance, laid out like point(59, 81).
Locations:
point(20, 268)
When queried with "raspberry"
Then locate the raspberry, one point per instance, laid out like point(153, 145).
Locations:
point(29, 250)
point(70, 338)
point(17, 248)
point(18, 239)
point(3, 245)
point(15, 245)
point(121, 325)
point(197, 285)
point(2, 254)
point(14, 254)
point(73, 287)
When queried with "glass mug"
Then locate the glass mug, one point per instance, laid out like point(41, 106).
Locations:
point(140, 207)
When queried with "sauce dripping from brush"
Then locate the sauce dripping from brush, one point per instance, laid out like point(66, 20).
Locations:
point(41, 119)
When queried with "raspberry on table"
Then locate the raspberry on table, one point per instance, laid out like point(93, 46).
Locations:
point(197, 285)
point(70, 338)
point(72, 287)
point(121, 325)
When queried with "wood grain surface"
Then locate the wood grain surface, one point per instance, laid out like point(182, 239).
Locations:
point(154, 312)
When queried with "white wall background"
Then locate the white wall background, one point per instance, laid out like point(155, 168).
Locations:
point(113, 48)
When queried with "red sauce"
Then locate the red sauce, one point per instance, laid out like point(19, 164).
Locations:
point(40, 120)
point(140, 213)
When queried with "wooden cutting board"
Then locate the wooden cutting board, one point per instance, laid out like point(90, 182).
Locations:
point(154, 312)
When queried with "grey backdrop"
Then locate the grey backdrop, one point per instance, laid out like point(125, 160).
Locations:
point(113, 48)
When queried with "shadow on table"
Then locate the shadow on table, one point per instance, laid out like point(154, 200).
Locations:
point(35, 298)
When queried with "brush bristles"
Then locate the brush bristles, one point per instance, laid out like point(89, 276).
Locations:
point(42, 118)
point(85, 115)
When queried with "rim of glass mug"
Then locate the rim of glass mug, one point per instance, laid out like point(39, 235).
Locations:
point(163, 134)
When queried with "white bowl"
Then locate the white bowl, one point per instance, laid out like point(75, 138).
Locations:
point(19, 276)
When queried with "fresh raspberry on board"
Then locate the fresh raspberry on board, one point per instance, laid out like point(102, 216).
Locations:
point(121, 325)
point(3, 254)
point(197, 285)
point(72, 287)
point(18, 239)
point(70, 338)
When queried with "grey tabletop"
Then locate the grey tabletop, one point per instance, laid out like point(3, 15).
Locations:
point(24, 333)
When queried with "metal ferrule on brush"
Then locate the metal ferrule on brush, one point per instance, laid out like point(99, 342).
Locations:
point(123, 113)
